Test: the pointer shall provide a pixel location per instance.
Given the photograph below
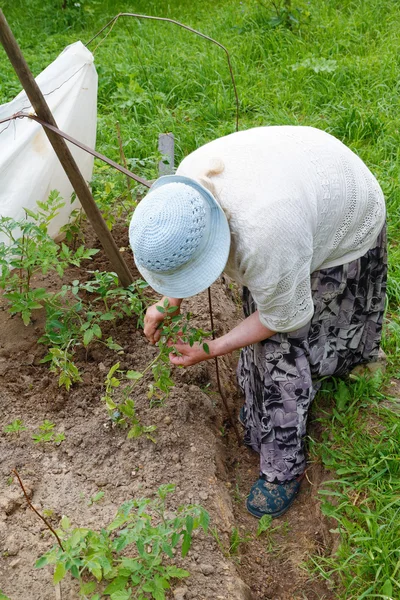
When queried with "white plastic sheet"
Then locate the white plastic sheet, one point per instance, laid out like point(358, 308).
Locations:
point(29, 167)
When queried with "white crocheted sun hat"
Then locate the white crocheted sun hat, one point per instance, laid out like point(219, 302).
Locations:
point(180, 237)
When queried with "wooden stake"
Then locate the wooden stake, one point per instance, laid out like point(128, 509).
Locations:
point(63, 152)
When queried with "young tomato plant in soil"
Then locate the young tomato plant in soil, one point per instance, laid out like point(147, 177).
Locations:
point(30, 250)
point(77, 315)
point(123, 413)
point(46, 433)
point(133, 556)
point(15, 427)
point(174, 328)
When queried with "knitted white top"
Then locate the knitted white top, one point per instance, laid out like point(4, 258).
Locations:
point(297, 200)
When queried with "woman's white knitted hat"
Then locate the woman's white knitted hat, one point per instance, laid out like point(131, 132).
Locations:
point(180, 237)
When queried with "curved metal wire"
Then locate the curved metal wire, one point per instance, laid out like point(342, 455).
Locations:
point(167, 20)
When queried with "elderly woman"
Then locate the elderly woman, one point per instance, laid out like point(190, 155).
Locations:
point(297, 220)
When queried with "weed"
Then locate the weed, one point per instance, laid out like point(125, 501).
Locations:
point(96, 498)
point(230, 550)
point(15, 427)
point(3, 596)
point(141, 527)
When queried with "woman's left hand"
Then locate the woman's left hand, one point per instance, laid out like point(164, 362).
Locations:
point(189, 355)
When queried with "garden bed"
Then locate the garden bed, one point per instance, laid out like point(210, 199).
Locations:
point(90, 473)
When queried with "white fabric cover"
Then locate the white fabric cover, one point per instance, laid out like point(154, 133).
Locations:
point(29, 168)
point(297, 200)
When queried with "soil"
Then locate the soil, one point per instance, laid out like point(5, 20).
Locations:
point(195, 448)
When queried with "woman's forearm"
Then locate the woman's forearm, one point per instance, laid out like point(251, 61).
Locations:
point(250, 331)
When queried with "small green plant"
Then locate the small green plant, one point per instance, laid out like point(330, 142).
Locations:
point(133, 554)
point(61, 362)
point(264, 524)
point(96, 498)
point(173, 328)
point(30, 250)
point(15, 427)
point(286, 15)
point(3, 596)
point(230, 550)
point(47, 434)
point(123, 413)
point(77, 314)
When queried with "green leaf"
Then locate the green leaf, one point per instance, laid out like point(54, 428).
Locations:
point(96, 330)
point(133, 375)
point(122, 595)
point(117, 585)
point(387, 589)
point(189, 524)
point(88, 588)
point(97, 497)
point(59, 573)
point(160, 309)
point(204, 520)
point(3, 596)
point(187, 540)
point(41, 562)
point(173, 571)
point(264, 524)
point(95, 568)
point(65, 523)
point(206, 348)
point(87, 337)
point(108, 316)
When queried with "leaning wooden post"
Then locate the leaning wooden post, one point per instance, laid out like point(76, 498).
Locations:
point(63, 152)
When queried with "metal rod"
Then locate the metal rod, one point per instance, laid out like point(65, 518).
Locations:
point(224, 401)
point(206, 37)
point(112, 163)
point(63, 152)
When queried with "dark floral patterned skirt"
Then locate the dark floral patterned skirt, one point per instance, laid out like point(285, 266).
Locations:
point(279, 376)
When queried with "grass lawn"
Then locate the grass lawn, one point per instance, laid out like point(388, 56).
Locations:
point(336, 67)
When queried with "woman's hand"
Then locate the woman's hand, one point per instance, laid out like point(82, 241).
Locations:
point(189, 355)
point(250, 331)
point(154, 318)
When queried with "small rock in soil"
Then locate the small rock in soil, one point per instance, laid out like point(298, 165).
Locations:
point(207, 569)
point(180, 593)
point(12, 546)
point(14, 563)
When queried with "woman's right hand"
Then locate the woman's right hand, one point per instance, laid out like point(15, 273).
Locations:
point(154, 318)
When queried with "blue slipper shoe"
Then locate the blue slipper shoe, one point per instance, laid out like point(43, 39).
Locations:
point(242, 416)
point(271, 498)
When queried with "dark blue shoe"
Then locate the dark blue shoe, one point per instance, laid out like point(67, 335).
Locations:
point(242, 416)
point(271, 498)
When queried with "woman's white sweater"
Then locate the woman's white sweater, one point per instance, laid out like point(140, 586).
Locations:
point(297, 200)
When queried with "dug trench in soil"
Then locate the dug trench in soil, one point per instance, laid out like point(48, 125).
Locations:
point(191, 450)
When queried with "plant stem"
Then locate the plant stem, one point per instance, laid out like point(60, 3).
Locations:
point(34, 509)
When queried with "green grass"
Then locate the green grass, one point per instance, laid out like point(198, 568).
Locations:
point(337, 70)
point(360, 441)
